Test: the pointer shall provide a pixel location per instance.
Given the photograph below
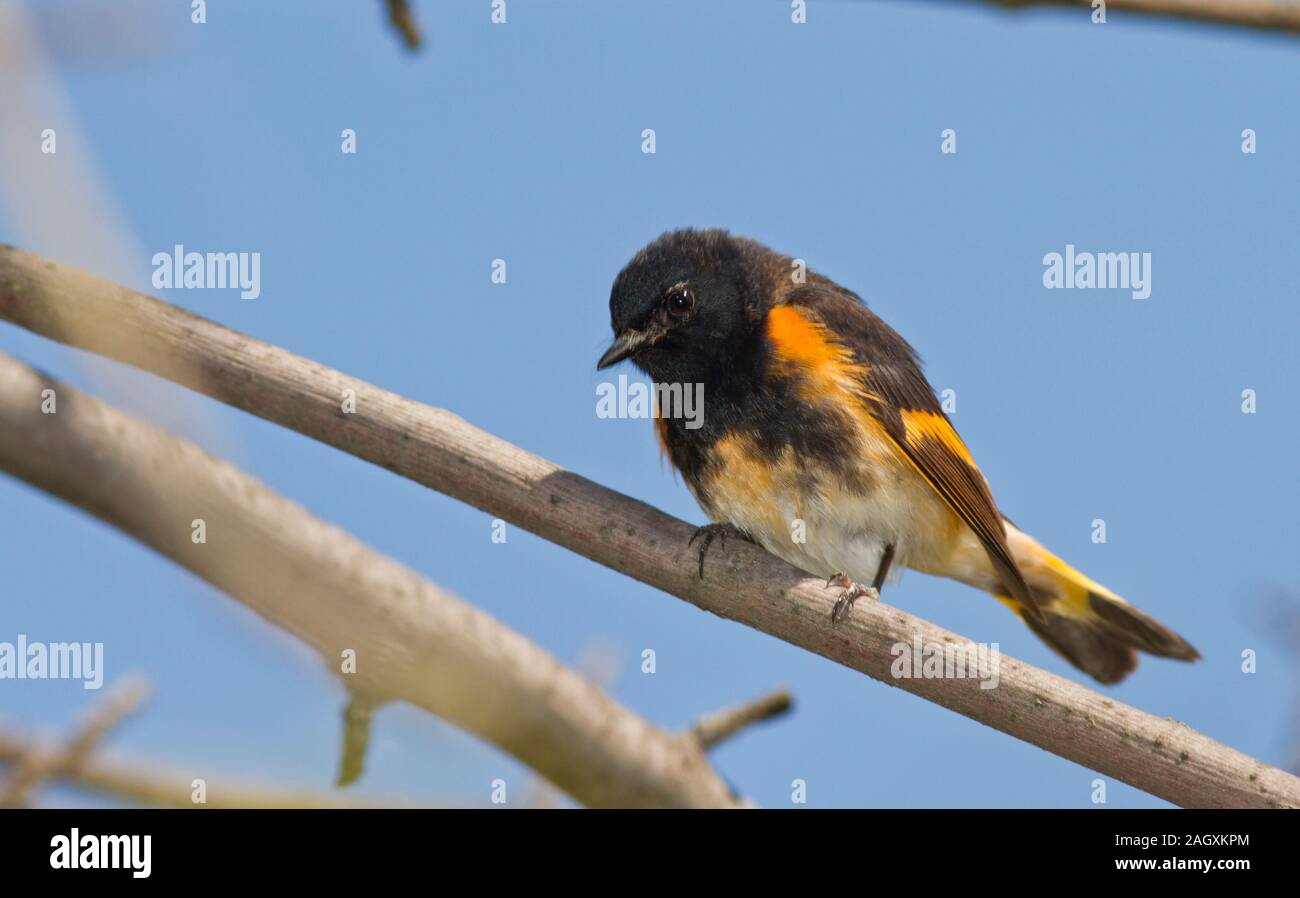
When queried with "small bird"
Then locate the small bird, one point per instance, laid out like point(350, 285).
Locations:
point(818, 422)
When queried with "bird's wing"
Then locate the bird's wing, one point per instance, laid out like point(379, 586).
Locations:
point(899, 398)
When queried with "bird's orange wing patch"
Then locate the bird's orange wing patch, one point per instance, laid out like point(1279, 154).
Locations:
point(920, 425)
point(938, 453)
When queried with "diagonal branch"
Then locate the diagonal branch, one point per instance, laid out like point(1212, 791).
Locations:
point(1272, 15)
point(440, 450)
point(405, 638)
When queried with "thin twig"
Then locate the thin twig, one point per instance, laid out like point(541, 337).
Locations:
point(403, 19)
point(720, 726)
point(438, 449)
point(357, 718)
point(30, 770)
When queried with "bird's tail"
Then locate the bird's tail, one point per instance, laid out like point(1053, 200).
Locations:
point(1083, 621)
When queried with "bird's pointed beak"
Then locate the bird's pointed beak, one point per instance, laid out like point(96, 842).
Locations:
point(624, 345)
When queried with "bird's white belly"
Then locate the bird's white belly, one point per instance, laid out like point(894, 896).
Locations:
point(828, 530)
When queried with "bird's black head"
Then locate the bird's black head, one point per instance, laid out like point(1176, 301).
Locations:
point(688, 302)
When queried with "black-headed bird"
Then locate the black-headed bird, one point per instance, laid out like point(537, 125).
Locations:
point(817, 412)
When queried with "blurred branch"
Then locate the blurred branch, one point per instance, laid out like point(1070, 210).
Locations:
point(33, 767)
point(403, 19)
point(143, 783)
point(599, 665)
point(1273, 15)
point(438, 449)
point(409, 639)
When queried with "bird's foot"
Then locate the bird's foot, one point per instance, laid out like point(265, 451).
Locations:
point(852, 592)
point(719, 532)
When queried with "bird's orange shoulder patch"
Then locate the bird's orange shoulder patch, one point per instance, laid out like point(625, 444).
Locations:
point(801, 340)
point(803, 346)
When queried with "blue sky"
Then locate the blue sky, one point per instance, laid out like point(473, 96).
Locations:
point(523, 142)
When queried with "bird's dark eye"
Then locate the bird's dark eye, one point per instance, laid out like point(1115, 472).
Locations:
point(680, 302)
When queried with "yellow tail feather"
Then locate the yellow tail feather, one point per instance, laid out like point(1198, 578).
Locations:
point(1086, 623)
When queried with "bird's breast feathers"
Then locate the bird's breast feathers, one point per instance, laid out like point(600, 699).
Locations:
point(827, 519)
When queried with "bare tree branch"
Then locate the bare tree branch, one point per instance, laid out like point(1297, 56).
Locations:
point(34, 767)
point(145, 783)
point(409, 639)
point(436, 448)
point(1273, 15)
